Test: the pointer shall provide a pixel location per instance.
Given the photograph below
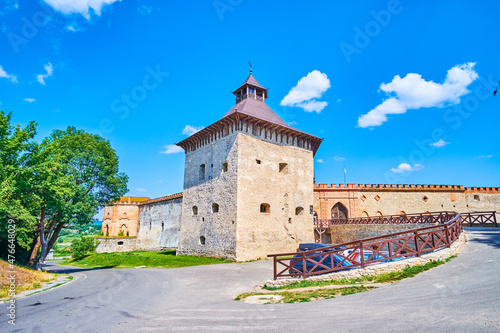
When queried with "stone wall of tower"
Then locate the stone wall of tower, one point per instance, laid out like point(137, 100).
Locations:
point(159, 226)
point(287, 192)
point(205, 232)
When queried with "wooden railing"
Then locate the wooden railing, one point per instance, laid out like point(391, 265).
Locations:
point(471, 219)
point(363, 252)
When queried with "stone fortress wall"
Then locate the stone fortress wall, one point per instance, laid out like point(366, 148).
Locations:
point(372, 200)
point(160, 223)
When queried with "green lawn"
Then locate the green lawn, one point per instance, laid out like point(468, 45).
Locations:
point(164, 259)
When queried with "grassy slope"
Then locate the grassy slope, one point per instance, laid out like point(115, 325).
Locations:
point(164, 259)
point(26, 279)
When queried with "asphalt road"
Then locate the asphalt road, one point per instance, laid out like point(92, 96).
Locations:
point(461, 296)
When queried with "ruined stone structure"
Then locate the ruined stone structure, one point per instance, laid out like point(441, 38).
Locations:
point(122, 218)
point(249, 191)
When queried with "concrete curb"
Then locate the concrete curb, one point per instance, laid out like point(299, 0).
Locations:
point(61, 280)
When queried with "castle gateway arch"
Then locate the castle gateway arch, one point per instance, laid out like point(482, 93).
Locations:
point(339, 211)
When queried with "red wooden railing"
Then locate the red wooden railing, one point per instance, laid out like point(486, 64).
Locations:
point(372, 250)
point(471, 219)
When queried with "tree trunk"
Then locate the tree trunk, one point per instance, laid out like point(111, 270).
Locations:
point(54, 236)
point(35, 246)
point(43, 240)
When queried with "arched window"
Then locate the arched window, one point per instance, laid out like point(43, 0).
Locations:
point(162, 226)
point(265, 208)
point(202, 240)
point(315, 217)
point(299, 211)
point(215, 208)
point(202, 172)
point(195, 210)
point(339, 211)
point(402, 213)
point(365, 214)
point(379, 213)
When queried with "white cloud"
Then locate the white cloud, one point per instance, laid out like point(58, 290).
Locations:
point(49, 70)
point(440, 143)
point(141, 190)
point(70, 28)
point(144, 10)
point(413, 92)
point(171, 149)
point(82, 7)
point(4, 74)
point(485, 156)
point(320, 160)
point(190, 130)
point(30, 100)
point(308, 89)
point(339, 158)
point(293, 122)
point(405, 167)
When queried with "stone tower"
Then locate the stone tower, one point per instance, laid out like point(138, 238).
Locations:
point(248, 182)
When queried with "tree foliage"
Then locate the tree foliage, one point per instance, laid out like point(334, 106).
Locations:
point(82, 246)
point(60, 182)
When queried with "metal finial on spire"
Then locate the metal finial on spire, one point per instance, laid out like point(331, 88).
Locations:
point(250, 66)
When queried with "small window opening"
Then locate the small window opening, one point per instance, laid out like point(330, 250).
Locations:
point(215, 208)
point(283, 168)
point(476, 197)
point(265, 208)
point(377, 197)
point(162, 226)
point(224, 167)
point(120, 243)
point(299, 211)
point(202, 240)
point(257, 161)
point(195, 210)
point(202, 171)
point(289, 220)
point(425, 198)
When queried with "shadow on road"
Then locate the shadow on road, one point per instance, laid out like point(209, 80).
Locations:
point(488, 236)
point(70, 269)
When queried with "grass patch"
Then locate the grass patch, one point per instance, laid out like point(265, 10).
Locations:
point(164, 259)
point(310, 295)
point(407, 272)
point(26, 278)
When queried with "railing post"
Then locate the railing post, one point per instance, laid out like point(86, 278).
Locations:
point(495, 219)
point(417, 247)
point(276, 268)
point(447, 235)
point(362, 254)
point(304, 268)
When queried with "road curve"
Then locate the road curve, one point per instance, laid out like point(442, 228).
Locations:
point(461, 296)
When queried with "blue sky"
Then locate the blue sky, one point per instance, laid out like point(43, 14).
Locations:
point(401, 92)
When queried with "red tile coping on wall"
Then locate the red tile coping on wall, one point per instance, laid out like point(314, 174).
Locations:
point(390, 187)
point(160, 199)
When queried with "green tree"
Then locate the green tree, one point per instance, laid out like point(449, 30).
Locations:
point(78, 175)
point(82, 246)
point(16, 150)
point(47, 187)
